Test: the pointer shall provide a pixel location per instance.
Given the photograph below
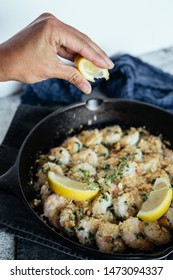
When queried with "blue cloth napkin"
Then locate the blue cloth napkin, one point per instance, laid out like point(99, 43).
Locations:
point(131, 78)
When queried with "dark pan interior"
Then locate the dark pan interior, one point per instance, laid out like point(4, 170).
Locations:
point(94, 113)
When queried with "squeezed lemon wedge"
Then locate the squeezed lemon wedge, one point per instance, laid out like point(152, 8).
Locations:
point(71, 189)
point(89, 70)
point(157, 202)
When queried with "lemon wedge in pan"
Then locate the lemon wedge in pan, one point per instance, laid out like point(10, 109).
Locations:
point(90, 71)
point(157, 202)
point(71, 189)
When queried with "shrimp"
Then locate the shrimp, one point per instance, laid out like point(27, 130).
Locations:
point(72, 213)
point(87, 155)
point(130, 175)
point(86, 230)
point(60, 154)
point(106, 168)
point(90, 137)
point(48, 166)
point(167, 219)
point(73, 145)
point(127, 204)
point(82, 171)
point(108, 176)
point(108, 238)
point(132, 234)
point(151, 144)
point(83, 208)
point(169, 169)
point(131, 138)
point(150, 164)
point(101, 205)
point(168, 154)
point(67, 218)
point(156, 233)
point(169, 216)
point(152, 176)
point(128, 150)
point(52, 206)
point(45, 191)
point(101, 151)
point(111, 134)
point(130, 170)
point(104, 181)
point(109, 164)
point(138, 155)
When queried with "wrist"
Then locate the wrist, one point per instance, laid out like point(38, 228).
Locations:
point(6, 63)
point(3, 63)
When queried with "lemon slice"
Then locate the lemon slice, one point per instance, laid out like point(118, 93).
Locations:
point(157, 202)
point(71, 189)
point(89, 70)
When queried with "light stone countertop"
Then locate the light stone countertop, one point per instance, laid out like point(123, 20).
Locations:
point(8, 105)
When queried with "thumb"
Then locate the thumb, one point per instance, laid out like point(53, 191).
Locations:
point(72, 75)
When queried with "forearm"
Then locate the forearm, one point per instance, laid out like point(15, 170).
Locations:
point(3, 64)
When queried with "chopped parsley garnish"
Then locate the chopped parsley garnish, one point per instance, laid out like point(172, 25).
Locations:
point(105, 196)
point(85, 172)
point(103, 154)
point(80, 228)
point(57, 161)
point(78, 144)
point(106, 167)
point(118, 172)
point(139, 235)
point(46, 169)
point(144, 196)
point(86, 180)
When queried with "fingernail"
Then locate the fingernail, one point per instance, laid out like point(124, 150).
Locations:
point(109, 63)
point(86, 88)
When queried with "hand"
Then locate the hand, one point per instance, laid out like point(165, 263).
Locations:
point(33, 54)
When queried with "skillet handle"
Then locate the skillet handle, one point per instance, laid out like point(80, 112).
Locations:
point(9, 183)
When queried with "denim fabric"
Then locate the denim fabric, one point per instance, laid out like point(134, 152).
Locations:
point(131, 78)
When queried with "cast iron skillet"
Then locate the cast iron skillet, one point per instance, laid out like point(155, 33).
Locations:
point(52, 131)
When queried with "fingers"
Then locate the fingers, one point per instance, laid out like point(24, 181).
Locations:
point(79, 43)
point(69, 38)
point(72, 75)
point(50, 38)
point(65, 53)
